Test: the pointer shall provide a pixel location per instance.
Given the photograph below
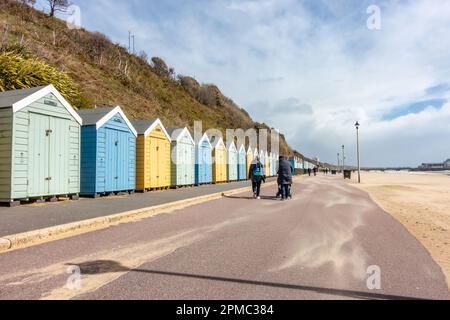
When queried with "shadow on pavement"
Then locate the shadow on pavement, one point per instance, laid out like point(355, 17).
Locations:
point(251, 198)
point(107, 266)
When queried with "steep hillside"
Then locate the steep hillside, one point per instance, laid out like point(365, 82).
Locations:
point(106, 74)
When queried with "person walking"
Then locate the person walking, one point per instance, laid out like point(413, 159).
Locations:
point(315, 171)
point(257, 176)
point(285, 177)
point(309, 172)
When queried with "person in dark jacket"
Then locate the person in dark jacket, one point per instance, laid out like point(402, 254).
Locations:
point(285, 170)
point(256, 174)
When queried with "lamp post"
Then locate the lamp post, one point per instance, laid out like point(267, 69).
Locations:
point(357, 125)
point(343, 158)
point(339, 162)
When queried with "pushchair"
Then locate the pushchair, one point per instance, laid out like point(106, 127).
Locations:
point(279, 192)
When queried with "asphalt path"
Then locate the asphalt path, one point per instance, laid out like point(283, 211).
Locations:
point(39, 216)
point(324, 244)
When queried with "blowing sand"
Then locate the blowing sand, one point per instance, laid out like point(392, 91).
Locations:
point(421, 202)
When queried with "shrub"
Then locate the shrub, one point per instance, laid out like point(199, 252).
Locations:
point(19, 72)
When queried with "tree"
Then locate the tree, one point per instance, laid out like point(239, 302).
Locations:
point(28, 2)
point(160, 67)
point(57, 6)
point(207, 95)
point(190, 84)
point(144, 56)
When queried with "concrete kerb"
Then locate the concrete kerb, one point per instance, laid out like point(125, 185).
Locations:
point(28, 239)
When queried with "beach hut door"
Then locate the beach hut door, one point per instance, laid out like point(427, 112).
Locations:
point(59, 156)
point(112, 154)
point(48, 167)
point(122, 162)
point(39, 183)
point(205, 162)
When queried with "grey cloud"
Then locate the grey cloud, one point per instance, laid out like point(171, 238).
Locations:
point(293, 106)
point(271, 80)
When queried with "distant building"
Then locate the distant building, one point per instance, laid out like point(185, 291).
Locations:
point(447, 164)
point(436, 166)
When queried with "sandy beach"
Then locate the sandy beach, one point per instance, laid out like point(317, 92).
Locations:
point(421, 202)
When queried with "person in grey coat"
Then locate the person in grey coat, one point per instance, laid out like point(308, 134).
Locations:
point(285, 170)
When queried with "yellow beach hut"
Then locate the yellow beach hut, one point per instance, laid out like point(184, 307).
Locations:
point(219, 160)
point(267, 164)
point(152, 155)
point(250, 156)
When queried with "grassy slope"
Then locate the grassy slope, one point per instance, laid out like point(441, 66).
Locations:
point(107, 75)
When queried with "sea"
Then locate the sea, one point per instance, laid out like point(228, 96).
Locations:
point(444, 172)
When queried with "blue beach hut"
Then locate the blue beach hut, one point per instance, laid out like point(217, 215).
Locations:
point(293, 164)
point(108, 152)
point(203, 161)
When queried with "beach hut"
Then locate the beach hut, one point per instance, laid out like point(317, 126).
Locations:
point(273, 169)
point(108, 152)
point(267, 164)
point(250, 157)
point(262, 157)
point(219, 160)
point(242, 163)
point(39, 146)
point(293, 164)
point(183, 157)
point(232, 163)
point(277, 162)
point(255, 153)
point(203, 161)
point(152, 155)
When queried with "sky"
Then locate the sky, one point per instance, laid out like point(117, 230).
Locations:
point(310, 68)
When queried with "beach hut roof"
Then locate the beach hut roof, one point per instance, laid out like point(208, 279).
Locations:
point(20, 99)
point(100, 116)
point(241, 148)
point(216, 141)
point(178, 133)
point(231, 146)
point(145, 127)
point(203, 138)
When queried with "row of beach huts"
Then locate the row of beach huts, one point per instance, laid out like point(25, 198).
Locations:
point(50, 150)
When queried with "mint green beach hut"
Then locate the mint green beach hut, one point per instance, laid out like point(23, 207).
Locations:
point(182, 157)
point(232, 162)
point(39, 146)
